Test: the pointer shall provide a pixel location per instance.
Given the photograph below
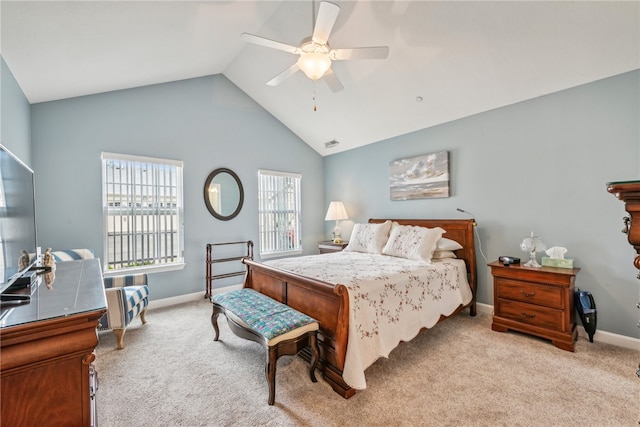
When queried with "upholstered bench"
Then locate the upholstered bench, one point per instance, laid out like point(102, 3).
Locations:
point(279, 328)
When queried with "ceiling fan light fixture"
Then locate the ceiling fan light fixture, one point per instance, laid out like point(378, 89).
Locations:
point(316, 55)
point(314, 64)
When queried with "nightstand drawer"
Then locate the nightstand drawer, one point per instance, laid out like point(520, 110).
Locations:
point(535, 300)
point(548, 296)
point(531, 314)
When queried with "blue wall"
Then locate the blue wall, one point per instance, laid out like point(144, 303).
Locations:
point(206, 122)
point(538, 165)
point(15, 116)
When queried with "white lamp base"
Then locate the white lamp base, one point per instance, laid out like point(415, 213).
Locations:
point(337, 238)
point(532, 262)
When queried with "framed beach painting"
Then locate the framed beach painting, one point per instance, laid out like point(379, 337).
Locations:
point(420, 177)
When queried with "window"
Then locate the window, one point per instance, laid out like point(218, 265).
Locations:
point(143, 213)
point(279, 213)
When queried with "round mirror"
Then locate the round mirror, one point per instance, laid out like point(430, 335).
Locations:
point(223, 194)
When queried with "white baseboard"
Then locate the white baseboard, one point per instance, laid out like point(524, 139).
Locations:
point(600, 336)
point(484, 308)
point(181, 299)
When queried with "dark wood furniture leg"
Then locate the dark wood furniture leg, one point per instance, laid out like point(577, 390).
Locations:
point(289, 347)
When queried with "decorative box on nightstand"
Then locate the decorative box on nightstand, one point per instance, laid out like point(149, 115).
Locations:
point(329, 246)
point(537, 301)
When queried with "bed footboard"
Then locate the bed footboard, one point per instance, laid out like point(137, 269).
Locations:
point(325, 302)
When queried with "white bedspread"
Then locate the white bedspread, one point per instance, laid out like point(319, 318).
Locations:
point(390, 299)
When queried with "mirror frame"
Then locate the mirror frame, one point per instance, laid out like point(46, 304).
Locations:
point(207, 202)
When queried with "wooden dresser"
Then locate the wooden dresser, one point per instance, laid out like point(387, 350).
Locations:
point(47, 349)
point(537, 301)
point(629, 193)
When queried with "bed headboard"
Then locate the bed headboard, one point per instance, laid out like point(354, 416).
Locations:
point(460, 230)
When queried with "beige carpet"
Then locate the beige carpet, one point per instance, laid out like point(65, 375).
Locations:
point(460, 373)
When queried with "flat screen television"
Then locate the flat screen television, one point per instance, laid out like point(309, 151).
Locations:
point(17, 218)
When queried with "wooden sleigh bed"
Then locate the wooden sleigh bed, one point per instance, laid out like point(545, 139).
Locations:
point(329, 303)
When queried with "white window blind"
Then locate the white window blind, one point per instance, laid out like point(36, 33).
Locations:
point(143, 212)
point(279, 213)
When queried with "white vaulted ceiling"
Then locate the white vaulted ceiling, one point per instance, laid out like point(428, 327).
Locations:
point(460, 58)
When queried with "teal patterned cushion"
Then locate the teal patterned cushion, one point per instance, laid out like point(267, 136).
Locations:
point(262, 314)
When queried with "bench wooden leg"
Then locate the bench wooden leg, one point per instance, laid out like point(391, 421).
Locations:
point(315, 355)
point(214, 320)
point(270, 372)
point(289, 347)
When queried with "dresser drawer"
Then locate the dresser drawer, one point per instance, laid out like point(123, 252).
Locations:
point(528, 292)
point(531, 314)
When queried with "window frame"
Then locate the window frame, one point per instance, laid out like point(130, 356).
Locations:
point(179, 264)
point(297, 250)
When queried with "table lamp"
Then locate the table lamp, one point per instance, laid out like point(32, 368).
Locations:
point(532, 244)
point(337, 213)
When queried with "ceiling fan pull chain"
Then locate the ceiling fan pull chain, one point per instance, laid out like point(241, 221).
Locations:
point(314, 96)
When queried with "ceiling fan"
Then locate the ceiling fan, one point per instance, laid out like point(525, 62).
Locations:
point(315, 53)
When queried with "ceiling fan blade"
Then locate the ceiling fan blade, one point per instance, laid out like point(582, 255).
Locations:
point(379, 52)
point(327, 14)
point(261, 41)
point(283, 75)
point(332, 81)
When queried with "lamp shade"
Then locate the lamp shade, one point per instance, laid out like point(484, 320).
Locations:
point(336, 212)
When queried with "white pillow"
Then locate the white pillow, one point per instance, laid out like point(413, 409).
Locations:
point(369, 238)
point(412, 242)
point(445, 244)
point(442, 254)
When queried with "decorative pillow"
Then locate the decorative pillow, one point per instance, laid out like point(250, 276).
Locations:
point(445, 244)
point(442, 254)
point(369, 238)
point(412, 242)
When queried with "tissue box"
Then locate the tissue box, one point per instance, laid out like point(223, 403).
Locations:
point(561, 263)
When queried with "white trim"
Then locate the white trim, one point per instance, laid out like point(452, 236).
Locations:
point(160, 268)
point(166, 165)
point(279, 173)
point(142, 159)
point(600, 336)
point(181, 299)
point(269, 255)
point(611, 338)
point(484, 308)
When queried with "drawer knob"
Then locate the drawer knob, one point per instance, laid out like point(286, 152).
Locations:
point(527, 315)
point(528, 294)
point(626, 221)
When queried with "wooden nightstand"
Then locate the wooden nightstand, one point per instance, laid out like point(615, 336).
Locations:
point(329, 246)
point(537, 301)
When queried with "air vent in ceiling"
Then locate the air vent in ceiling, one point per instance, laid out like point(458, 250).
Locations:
point(331, 144)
